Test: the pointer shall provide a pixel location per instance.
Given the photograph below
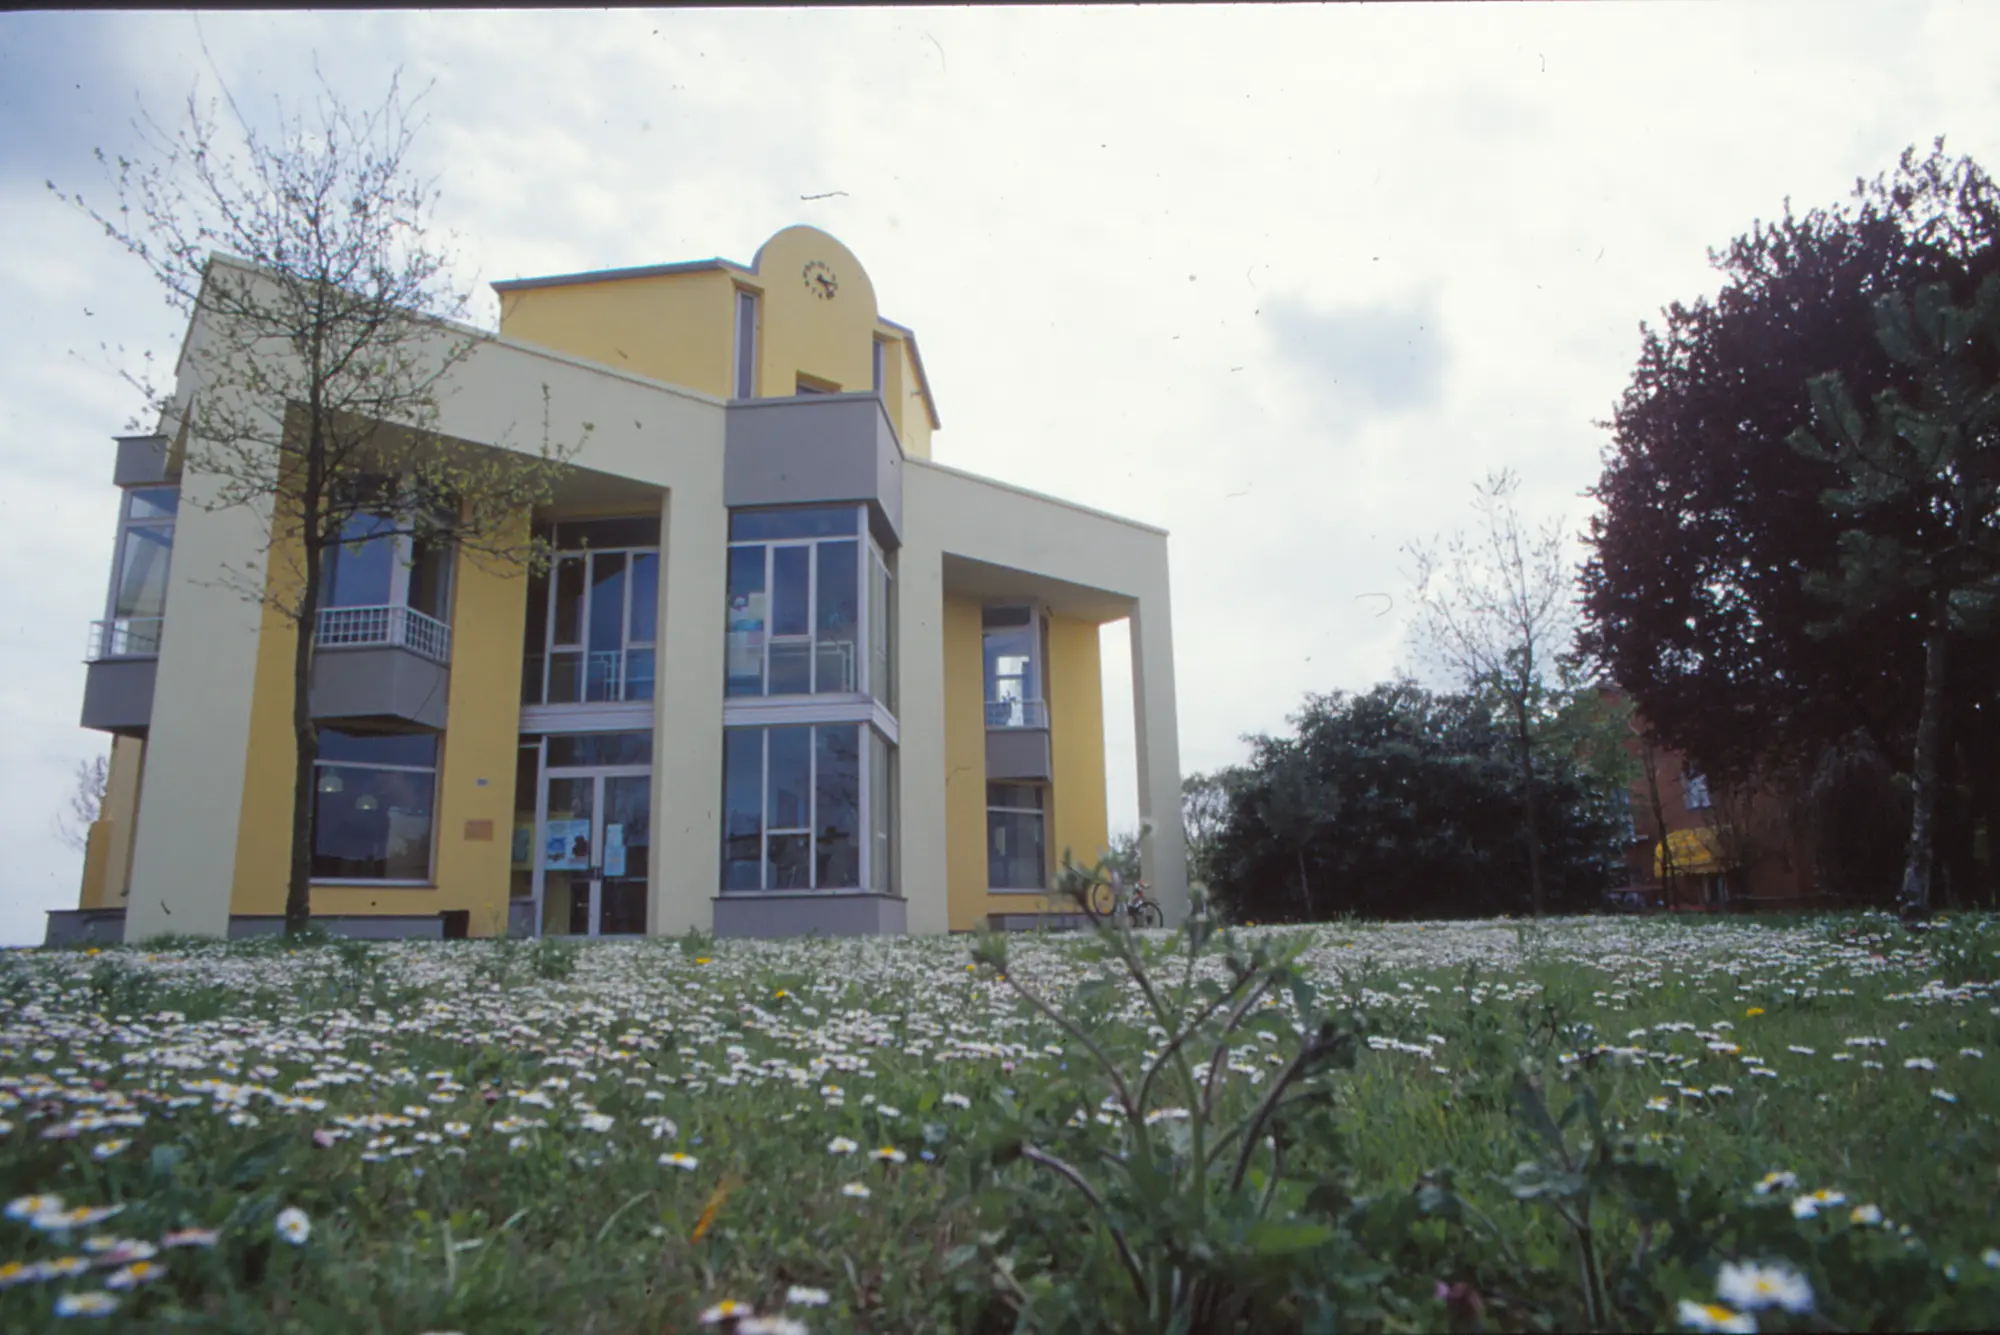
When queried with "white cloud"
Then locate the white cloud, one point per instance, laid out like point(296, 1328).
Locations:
point(1117, 232)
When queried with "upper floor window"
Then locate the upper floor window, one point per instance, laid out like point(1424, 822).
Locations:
point(745, 378)
point(802, 581)
point(1013, 670)
point(140, 565)
point(379, 563)
point(374, 796)
point(593, 616)
point(1694, 791)
point(881, 365)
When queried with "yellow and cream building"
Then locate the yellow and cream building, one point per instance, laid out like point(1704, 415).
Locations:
point(785, 673)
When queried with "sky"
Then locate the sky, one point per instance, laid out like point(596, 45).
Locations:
point(1286, 281)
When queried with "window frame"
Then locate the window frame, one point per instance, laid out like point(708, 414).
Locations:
point(126, 524)
point(864, 811)
point(580, 647)
point(1036, 631)
point(743, 355)
point(1041, 813)
point(868, 554)
point(435, 770)
point(1695, 794)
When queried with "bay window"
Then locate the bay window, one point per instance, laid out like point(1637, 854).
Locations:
point(593, 616)
point(373, 806)
point(1013, 668)
point(806, 807)
point(801, 582)
point(144, 557)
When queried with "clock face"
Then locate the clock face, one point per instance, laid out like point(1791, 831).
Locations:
point(819, 280)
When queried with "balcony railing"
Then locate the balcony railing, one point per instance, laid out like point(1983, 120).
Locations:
point(1017, 714)
point(125, 637)
point(598, 676)
point(374, 627)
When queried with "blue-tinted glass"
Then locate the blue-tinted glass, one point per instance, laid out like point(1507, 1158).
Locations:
point(831, 521)
point(790, 786)
point(791, 610)
point(607, 601)
point(600, 748)
point(742, 808)
point(838, 620)
point(837, 819)
point(155, 502)
point(744, 621)
point(359, 575)
point(638, 674)
point(386, 748)
point(645, 595)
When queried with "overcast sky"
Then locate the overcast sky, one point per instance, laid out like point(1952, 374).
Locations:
point(1285, 281)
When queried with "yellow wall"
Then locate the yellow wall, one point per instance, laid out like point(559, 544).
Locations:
point(489, 613)
point(964, 764)
point(681, 328)
point(671, 327)
point(1076, 741)
point(107, 857)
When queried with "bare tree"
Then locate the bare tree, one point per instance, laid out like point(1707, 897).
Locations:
point(86, 802)
point(310, 384)
point(1497, 607)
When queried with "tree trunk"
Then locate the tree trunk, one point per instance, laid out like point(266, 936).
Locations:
point(1916, 896)
point(1537, 896)
point(305, 737)
point(1305, 894)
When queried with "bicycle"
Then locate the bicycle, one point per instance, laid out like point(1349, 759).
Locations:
point(1110, 897)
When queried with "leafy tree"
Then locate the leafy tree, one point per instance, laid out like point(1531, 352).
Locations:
point(1401, 803)
point(1204, 812)
point(1693, 600)
point(1919, 495)
point(1497, 607)
point(311, 392)
point(86, 802)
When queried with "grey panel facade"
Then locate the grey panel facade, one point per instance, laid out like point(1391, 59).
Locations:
point(85, 927)
point(379, 683)
point(805, 913)
point(1018, 753)
point(142, 461)
point(812, 449)
point(357, 926)
point(118, 695)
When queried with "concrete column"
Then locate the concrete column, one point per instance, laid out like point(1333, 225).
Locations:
point(920, 823)
point(1163, 846)
point(687, 713)
point(191, 790)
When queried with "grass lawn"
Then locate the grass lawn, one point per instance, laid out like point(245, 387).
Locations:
point(1508, 1127)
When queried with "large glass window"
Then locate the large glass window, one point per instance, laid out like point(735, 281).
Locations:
point(1016, 837)
point(1013, 679)
point(373, 806)
point(362, 567)
point(794, 810)
point(796, 620)
point(746, 344)
point(593, 616)
point(881, 632)
point(139, 572)
point(881, 814)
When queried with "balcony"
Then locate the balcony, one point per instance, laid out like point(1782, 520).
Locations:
point(383, 664)
point(123, 658)
point(1017, 740)
point(385, 627)
point(1017, 714)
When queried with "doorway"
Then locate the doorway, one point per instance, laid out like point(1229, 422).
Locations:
point(594, 850)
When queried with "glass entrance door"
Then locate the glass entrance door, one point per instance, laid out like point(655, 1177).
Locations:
point(595, 850)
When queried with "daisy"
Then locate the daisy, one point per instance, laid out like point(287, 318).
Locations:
point(1865, 1214)
point(29, 1207)
point(771, 1325)
point(1944, 1096)
point(800, 1296)
point(293, 1225)
point(855, 1190)
point(1805, 1207)
point(955, 1101)
point(596, 1122)
point(86, 1304)
point(1753, 1287)
point(191, 1237)
point(132, 1276)
point(676, 1159)
point(727, 1310)
point(1919, 1064)
point(1713, 1316)
point(889, 1154)
point(104, 1149)
point(841, 1145)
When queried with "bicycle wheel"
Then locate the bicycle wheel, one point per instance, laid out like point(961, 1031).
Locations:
point(1100, 901)
point(1149, 915)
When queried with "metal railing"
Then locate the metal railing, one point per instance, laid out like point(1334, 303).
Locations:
point(597, 676)
point(125, 637)
point(1017, 714)
point(398, 627)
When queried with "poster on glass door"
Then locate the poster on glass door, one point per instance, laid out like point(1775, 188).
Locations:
point(614, 850)
point(566, 845)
